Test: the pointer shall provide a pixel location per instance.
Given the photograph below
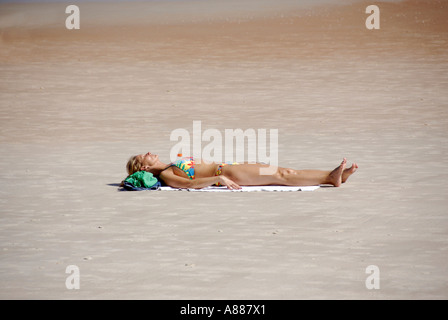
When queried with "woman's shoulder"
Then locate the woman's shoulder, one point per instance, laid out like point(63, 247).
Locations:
point(169, 170)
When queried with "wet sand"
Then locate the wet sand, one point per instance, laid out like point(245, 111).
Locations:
point(75, 104)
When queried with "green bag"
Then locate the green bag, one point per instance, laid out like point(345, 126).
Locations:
point(142, 179)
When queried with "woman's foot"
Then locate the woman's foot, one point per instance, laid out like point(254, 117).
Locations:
point(348, 172)
point(335, 176)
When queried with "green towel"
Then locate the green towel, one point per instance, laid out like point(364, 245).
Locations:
point(142, 179)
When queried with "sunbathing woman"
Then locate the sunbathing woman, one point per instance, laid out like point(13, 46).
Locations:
point(185, 173)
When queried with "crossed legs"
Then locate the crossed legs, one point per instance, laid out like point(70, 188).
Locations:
point(249, 174)
point(317, 177)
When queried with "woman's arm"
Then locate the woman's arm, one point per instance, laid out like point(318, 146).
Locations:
point(175, 181)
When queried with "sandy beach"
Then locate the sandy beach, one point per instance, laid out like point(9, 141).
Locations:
point(76, 104)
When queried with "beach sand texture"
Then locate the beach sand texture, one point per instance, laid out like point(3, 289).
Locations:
point(76, 104)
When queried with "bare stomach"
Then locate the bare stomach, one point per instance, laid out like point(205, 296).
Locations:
point(251, 174)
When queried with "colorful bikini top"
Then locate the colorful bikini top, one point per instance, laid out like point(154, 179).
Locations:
point(186, 165)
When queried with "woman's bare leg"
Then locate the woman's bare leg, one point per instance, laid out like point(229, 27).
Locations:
point(314, 177)
point(249, 175)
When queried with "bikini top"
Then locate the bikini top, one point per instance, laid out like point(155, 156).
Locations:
point(186, 165)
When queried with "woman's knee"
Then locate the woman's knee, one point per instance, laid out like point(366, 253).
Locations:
point(282, 174)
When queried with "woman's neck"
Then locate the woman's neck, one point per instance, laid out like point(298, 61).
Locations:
point(159, 167)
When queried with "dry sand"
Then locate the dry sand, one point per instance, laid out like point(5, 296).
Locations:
point(75, 104)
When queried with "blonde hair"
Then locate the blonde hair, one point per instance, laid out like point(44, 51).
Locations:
point(133, 165)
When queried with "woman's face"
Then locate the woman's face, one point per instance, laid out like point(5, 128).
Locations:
point(148, 159)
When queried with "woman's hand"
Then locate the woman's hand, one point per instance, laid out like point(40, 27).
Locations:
point(228, 183)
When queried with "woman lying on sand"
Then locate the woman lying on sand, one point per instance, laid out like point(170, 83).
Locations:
point(185, 173)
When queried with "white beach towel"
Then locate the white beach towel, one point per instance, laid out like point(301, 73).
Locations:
point(245, 189)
